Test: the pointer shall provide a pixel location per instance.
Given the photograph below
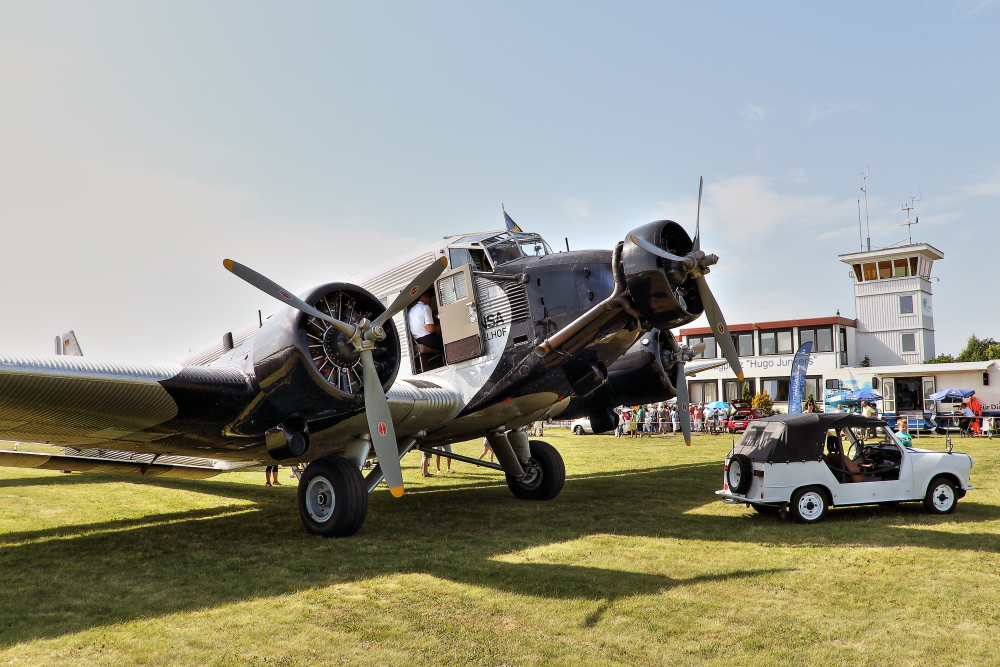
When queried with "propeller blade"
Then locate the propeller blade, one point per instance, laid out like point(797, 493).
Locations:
point(412, 292)
point(649, 247)
point(697, 220)
point(271, 288)
point(380, 427)
point(719, 328)
point(682, 403)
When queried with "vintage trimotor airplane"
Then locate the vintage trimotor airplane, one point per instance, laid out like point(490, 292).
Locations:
point(335, 378)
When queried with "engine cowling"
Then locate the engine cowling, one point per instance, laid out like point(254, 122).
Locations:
point(645, 374)
point(307, 370)
point(661, 290)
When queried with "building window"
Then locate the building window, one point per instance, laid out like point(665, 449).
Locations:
point(709, 342)
point(813, 385)
point(731, 390)
point(913, 266)
point(906, 305)
point(870, 272)
point(909, 342)
point(885, 270)
point(703, 392)
point(744, 344)
point(776, 342)
point(858, 275)
point(776, 388)
point(821, 337)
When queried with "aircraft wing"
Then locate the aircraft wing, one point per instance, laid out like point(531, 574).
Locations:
point(80, 402)
point(690, 369)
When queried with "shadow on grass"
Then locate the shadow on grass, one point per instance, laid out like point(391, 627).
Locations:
point(100, 574)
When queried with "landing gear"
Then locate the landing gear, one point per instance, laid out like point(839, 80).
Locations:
point(544, 475)
point(332, 498)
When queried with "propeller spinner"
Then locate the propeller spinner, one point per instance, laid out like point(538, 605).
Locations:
point(361, 338)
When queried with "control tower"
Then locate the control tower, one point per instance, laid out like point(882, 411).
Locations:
point(892, 302)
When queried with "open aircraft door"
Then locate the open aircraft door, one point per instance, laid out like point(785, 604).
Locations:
point(459, 316)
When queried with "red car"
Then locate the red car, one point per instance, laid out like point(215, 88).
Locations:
point(744, 413)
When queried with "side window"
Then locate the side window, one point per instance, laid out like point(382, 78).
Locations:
point(906, 305)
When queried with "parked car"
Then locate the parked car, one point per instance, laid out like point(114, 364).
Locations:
point(582, 426)
point(742, 416)
point(779, 465)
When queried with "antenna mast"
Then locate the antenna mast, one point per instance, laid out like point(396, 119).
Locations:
point(864, 188)
point(860, 240)
point(909, 225)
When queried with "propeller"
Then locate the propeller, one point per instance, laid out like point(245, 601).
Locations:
point(682, 404)
point(362, 338)
point(697, 263)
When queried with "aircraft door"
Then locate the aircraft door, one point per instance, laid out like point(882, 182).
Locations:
point(459, 316)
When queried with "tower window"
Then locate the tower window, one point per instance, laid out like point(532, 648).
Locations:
point(869, 270)
point(906, 305)
point(909, 342)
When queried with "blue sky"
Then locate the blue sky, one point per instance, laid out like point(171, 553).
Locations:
point(142, 143)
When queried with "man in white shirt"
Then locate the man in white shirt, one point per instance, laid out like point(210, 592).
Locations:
point(422, 326)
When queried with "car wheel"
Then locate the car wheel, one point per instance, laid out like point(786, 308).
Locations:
point(941, 496)
point(739, 474)
point(578, 429)
point(767, 510)
point(808, 505)
point(544, 475)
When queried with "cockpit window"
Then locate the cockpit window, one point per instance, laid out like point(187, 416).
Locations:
point(503, 251)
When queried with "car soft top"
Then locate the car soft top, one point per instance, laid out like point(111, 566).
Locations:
point(799, 437)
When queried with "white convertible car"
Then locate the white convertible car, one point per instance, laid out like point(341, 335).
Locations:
point(780, 465)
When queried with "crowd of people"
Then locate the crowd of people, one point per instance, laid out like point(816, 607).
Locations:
point(639, 421)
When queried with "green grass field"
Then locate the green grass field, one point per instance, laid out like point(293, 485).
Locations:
point(635, 563)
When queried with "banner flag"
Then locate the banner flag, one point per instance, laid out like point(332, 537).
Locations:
point(511, 225)
point(797, 380)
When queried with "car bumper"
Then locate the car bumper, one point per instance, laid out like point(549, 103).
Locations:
point(730, 498)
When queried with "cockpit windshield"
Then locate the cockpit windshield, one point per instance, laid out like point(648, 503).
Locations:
point(508, 246)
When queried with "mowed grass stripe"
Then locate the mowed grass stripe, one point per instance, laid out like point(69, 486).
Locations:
point(635, 563)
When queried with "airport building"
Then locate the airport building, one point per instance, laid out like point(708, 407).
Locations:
point(882, 350)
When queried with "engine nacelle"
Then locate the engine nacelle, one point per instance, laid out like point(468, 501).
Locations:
point(645, 374)
point(662, 290)
point(306, 370)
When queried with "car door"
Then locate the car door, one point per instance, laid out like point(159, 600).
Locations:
point(854, 493)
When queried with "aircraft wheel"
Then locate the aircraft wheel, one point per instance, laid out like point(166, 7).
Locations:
point(332, 498)
point(544, 475)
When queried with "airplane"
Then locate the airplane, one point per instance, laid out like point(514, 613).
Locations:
point(335, 380)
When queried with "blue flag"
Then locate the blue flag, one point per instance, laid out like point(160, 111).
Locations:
point(797, 380)
point(511, 225)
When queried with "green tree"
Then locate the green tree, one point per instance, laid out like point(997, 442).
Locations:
point(941, 359)
point(979, 349)
point(866, 362)
point(976, 349)
point(747, 396)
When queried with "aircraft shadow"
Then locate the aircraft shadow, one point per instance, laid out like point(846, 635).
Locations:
point(68, 579)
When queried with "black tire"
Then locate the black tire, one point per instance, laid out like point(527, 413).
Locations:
point(578, 429)
point(942, 496)
point(332, 498)
point(809, 505)
point(545, 474)
point(767, 510)
point(739, 474)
